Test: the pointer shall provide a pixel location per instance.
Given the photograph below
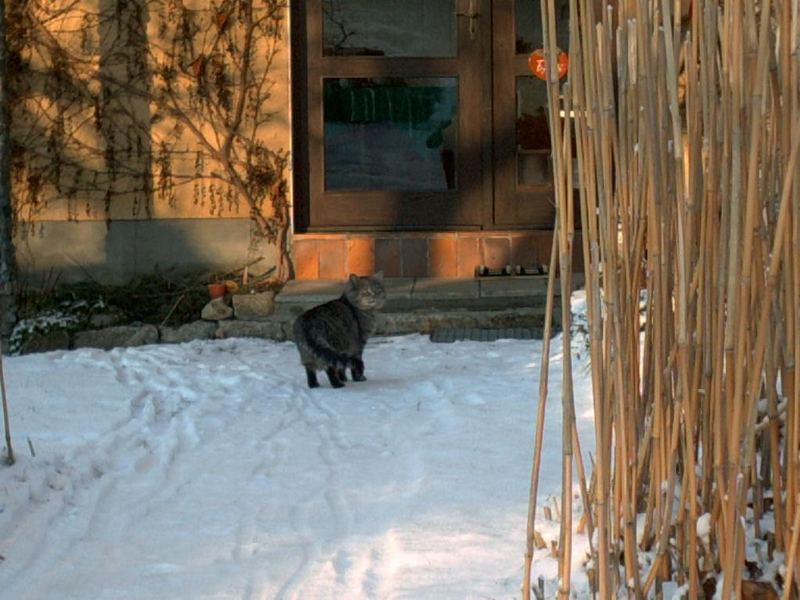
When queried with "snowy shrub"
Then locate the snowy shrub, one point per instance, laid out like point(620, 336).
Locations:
point(69, 315)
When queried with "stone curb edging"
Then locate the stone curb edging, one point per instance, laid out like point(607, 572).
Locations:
point(277, 329)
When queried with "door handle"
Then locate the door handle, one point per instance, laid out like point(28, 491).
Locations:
point(473, 15)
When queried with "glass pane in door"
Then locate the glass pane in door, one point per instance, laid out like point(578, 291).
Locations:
point(533, 134)
point(529, 35)
point(390, 133)
point(411, 28)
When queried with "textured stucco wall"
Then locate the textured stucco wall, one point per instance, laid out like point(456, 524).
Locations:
point(131, 248)
point(70, 237)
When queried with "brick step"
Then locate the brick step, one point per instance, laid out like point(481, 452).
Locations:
point(452, 255)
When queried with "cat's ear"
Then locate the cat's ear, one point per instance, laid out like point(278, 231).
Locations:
point(379, 275)
point(353, 278)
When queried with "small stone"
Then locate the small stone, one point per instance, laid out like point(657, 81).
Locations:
point(216, 310)
point(115, 337)
point(400, 323)
point(271, 330)
point(146, 334)
point(46, 342)
point(101, 320)
point(198, 330)
point(253, 307)
point(105, 339)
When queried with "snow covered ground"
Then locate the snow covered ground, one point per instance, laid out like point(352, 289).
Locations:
point(209, 470)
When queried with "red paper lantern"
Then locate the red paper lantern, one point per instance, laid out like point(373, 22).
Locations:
point(538, 64)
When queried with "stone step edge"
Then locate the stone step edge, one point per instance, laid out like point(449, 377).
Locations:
point(279, 329)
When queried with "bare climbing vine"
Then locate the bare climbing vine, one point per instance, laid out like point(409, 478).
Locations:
point(117, 105)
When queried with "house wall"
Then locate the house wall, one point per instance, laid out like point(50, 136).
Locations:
point(79, 250)
point(66, 224)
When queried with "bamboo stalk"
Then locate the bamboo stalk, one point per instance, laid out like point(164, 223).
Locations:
point(590, 256)
point(540, 416)
point(6, 419)
point(564, 210)
point(686, 125)
point(791, 70)
point(792, 557)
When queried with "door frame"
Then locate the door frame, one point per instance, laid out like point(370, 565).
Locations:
point(489, 67)
point(514, 205)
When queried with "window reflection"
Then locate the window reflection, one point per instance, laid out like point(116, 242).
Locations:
point(390, 133)
point(419, 28)
point(529, 35)
point(532, 131)
point(532, 128)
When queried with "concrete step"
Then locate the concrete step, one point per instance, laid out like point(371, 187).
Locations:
point(425, 294)
point(428, 305)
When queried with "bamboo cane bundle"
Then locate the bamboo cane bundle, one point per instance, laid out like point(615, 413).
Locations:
point(687, 136)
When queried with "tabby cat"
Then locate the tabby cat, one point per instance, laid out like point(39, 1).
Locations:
point(332, 336)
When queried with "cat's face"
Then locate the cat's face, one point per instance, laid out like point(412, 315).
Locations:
point(367, 291)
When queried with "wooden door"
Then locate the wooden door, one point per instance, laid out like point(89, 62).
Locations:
point(421, 114)
point(523, 178)
point(395, 111)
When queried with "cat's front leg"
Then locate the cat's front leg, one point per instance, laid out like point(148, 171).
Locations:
point(357, 370)
point(333, 376)
point(311, 376)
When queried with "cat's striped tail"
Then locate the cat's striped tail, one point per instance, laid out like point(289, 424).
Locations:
point(332, 357)
point(320, 348)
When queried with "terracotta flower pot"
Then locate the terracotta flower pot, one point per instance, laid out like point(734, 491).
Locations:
point(217, 290)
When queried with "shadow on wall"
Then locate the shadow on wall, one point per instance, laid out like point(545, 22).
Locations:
point(132, 248)
point(125, 119)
